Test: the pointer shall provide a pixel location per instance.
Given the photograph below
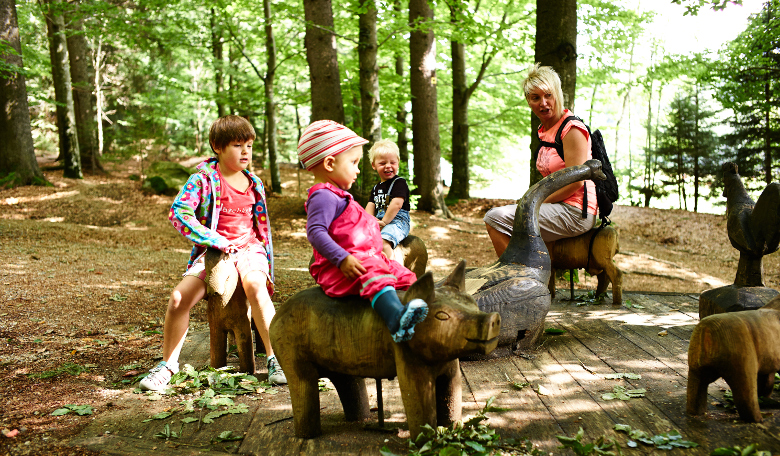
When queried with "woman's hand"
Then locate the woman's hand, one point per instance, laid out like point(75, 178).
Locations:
point(352, 268)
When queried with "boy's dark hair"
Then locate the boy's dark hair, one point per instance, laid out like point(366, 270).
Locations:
point(229, 128)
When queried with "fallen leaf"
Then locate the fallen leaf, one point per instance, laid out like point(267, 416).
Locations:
point(663, 333)
point(10, 434)
point(543, 391)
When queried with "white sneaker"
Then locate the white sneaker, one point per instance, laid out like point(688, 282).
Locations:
point(159, 377)
point(275, 372)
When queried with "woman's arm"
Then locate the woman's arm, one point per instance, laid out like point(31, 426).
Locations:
point(575, 152)
point(392, 210)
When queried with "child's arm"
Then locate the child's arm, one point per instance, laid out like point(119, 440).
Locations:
point(184, 219)
point(371, 208)
point(392, 210)
point(322, 208)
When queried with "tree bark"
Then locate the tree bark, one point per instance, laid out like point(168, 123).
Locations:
point(425, 116)
point(216, 53)
point(320, 43)
point(556, 46)
point(82, 79)
point(17, 152)
point(369, 89)
point(63, 90)
point(459, 188)
point(270, 106)
point(400, 114)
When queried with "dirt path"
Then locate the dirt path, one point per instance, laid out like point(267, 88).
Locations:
point(87, 267)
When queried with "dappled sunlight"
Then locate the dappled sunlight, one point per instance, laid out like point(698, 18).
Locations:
point(439, 232)
point(54, 219)
point(298, 235)
point(440, 263)
point(108, 200)
point(29, 199)
point(640, 263)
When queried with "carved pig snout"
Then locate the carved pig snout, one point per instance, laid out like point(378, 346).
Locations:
point(486, 332)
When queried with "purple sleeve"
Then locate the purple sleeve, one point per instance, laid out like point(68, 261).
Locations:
point(322, 208)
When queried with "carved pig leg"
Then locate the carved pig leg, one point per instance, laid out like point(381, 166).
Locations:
point(233, 318)
point(698, 381)
point(353, 396)
point(611, 274)
point(305, 397)
point(742, 381)
point(448, 395)
point(418, 390)
point(766, 383)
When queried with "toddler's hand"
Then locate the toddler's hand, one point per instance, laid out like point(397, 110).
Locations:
point(231, 249)
point(352, 268)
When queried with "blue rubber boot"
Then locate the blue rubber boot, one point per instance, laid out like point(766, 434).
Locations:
point(400, 319)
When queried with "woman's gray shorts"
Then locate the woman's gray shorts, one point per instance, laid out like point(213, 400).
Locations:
point(556, 220)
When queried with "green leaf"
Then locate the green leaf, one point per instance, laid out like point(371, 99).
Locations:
point(60, 412)
point(189, 419)
point(159, 416)
point(450, 451)
point(384, 451)
point(228, 436)
point(622, 427)
point(554, 331)
point(474, 445)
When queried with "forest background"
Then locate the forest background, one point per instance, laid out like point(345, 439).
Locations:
point(157, 73)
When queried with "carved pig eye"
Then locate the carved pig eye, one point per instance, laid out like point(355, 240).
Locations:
point(441, 315)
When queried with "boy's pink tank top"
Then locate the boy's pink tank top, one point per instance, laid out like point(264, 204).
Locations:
point(235, 215)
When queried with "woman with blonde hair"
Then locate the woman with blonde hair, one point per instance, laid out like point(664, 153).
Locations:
point(571, 210)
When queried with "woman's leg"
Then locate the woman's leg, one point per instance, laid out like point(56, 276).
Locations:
point(499, 240)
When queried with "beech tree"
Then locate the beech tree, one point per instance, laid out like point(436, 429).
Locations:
point(17, 155)
point(270, 106)
point(556, 46)
point(425, 117)
point(63, 89)
point(369, 89)
point(322, 56)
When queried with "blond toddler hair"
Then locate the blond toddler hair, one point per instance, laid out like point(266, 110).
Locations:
point(383, 147)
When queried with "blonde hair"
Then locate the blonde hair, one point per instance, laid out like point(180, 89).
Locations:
point(227, 129)
point(545, 78)
point(383, 147)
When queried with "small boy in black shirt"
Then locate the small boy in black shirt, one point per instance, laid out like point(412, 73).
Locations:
point(389, 200)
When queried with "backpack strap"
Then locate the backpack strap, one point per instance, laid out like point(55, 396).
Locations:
point(558, 146)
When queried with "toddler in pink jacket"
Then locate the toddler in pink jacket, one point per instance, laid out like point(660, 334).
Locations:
point(348, 258)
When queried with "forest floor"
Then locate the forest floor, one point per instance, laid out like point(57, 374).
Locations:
point(87, 267)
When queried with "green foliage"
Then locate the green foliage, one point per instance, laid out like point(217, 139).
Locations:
point(736, 450)
point(66, 368)
point(599, 447)
point(667, 441)
point(168, 434)
point(470, 437)
point(620, 392)
point(77, 409)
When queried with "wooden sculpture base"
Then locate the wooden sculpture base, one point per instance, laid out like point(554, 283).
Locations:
point(732, 298)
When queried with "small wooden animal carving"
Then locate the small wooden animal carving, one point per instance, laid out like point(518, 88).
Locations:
point(346, 341)
point(744, 349)
point(576, 253)
point(228, 316)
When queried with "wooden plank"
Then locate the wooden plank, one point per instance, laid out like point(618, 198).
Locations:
point(528, 417)
point(625, 350)
point(129, 446)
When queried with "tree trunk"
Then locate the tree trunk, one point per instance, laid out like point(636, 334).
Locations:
point(459, 188)
point(320, 43)
point(369, 90)
point(63, 90)
point(767, 136)
point(17, 153)
point(556, 46)
point(83, 102)
point(696, 169)
point(270, 106)
point(216, 53)
point(648, 190)
point(425, 116)
point(400, 114)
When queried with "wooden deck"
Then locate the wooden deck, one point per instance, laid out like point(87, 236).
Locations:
point(649, 338)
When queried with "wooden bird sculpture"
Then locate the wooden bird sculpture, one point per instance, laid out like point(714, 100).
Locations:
point(753, 229)
point(516, 286)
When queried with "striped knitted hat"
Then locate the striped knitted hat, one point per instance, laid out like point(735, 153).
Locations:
point(324, 138)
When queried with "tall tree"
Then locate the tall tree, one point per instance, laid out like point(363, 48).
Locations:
point(270, 106)
point(556, 46)
point(425, 116)
point(322, 56)
point(216, 53)
point(63, 90)
point(82, 79)
point(400, 112)
point(462, 91)
point(369, 88)
point(17, 154)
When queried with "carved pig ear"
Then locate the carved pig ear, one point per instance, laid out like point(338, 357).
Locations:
point(421, 289)
point(457, 278)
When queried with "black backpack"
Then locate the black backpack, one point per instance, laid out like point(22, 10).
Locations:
point(606, 190)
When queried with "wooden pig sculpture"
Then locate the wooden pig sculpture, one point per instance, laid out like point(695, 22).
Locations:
point(744, 349)
point(346, 341)
point(592, 251)
point(228, 312)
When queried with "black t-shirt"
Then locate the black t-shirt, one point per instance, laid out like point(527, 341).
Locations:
point(399, 190)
